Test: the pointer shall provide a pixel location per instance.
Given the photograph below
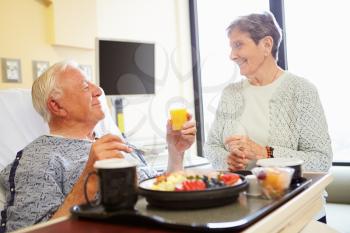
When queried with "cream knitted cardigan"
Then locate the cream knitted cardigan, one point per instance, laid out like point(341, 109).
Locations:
point(298, 127)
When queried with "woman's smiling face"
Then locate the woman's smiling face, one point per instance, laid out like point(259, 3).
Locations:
point(245, 53)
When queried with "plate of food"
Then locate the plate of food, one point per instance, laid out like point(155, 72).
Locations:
point(192, 189)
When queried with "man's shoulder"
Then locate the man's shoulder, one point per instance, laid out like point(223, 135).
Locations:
point(47, 143)
point(48, 149)
point(39, 147)
point(4, 172)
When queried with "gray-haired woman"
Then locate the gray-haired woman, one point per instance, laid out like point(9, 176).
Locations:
point(271, 113)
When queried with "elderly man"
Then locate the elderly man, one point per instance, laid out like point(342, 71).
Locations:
point(46, 178)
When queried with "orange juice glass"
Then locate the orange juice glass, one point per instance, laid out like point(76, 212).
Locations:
point(178, 118)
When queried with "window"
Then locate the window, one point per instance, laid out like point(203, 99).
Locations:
point(318, 48)
point(217, 70)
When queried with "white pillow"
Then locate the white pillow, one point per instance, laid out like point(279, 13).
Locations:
point(20, 124)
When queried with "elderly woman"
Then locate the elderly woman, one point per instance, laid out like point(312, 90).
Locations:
point(271, 113)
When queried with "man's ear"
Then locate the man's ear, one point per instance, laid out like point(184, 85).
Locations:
point(55, 108)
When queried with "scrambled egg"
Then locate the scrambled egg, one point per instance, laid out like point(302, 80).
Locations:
point(170, 182)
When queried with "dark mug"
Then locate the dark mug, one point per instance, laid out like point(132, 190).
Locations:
point(117, 184)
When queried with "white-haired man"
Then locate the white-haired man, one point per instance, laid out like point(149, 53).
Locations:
point(46, 178)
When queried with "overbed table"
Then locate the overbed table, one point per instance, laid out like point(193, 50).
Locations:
point(292, 216)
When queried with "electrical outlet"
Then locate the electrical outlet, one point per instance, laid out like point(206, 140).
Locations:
point(11, 70)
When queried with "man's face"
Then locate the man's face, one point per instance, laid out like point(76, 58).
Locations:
point(80, 97)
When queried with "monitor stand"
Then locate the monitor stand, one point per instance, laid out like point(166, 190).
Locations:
point(118, 105)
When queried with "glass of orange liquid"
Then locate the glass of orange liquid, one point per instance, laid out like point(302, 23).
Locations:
point(178, 118)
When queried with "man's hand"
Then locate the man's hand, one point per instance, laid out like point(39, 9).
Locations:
point(183, 139)
point(107, 147)
point(178, 142)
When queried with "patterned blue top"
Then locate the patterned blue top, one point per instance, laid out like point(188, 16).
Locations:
point(46, 173)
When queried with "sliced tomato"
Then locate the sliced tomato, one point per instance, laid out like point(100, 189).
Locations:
point(200, 185)
point(229, 178)
point(192, 185)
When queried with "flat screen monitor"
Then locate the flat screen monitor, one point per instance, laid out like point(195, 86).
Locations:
point(126, 68)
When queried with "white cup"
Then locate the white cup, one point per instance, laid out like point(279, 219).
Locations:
point(254, 187)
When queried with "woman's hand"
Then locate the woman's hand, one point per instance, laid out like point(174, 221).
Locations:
point(242, 148)
point(236, 160)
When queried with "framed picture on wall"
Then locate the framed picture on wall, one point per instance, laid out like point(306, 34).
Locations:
point(39, 67)
point(11, 70)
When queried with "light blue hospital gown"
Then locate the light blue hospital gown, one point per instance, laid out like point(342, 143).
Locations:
point(47, 170)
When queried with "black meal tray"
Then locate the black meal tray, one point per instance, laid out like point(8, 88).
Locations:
point(233, 217)
point(199, 199)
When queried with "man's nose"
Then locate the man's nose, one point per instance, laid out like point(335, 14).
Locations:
point(97, 91)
